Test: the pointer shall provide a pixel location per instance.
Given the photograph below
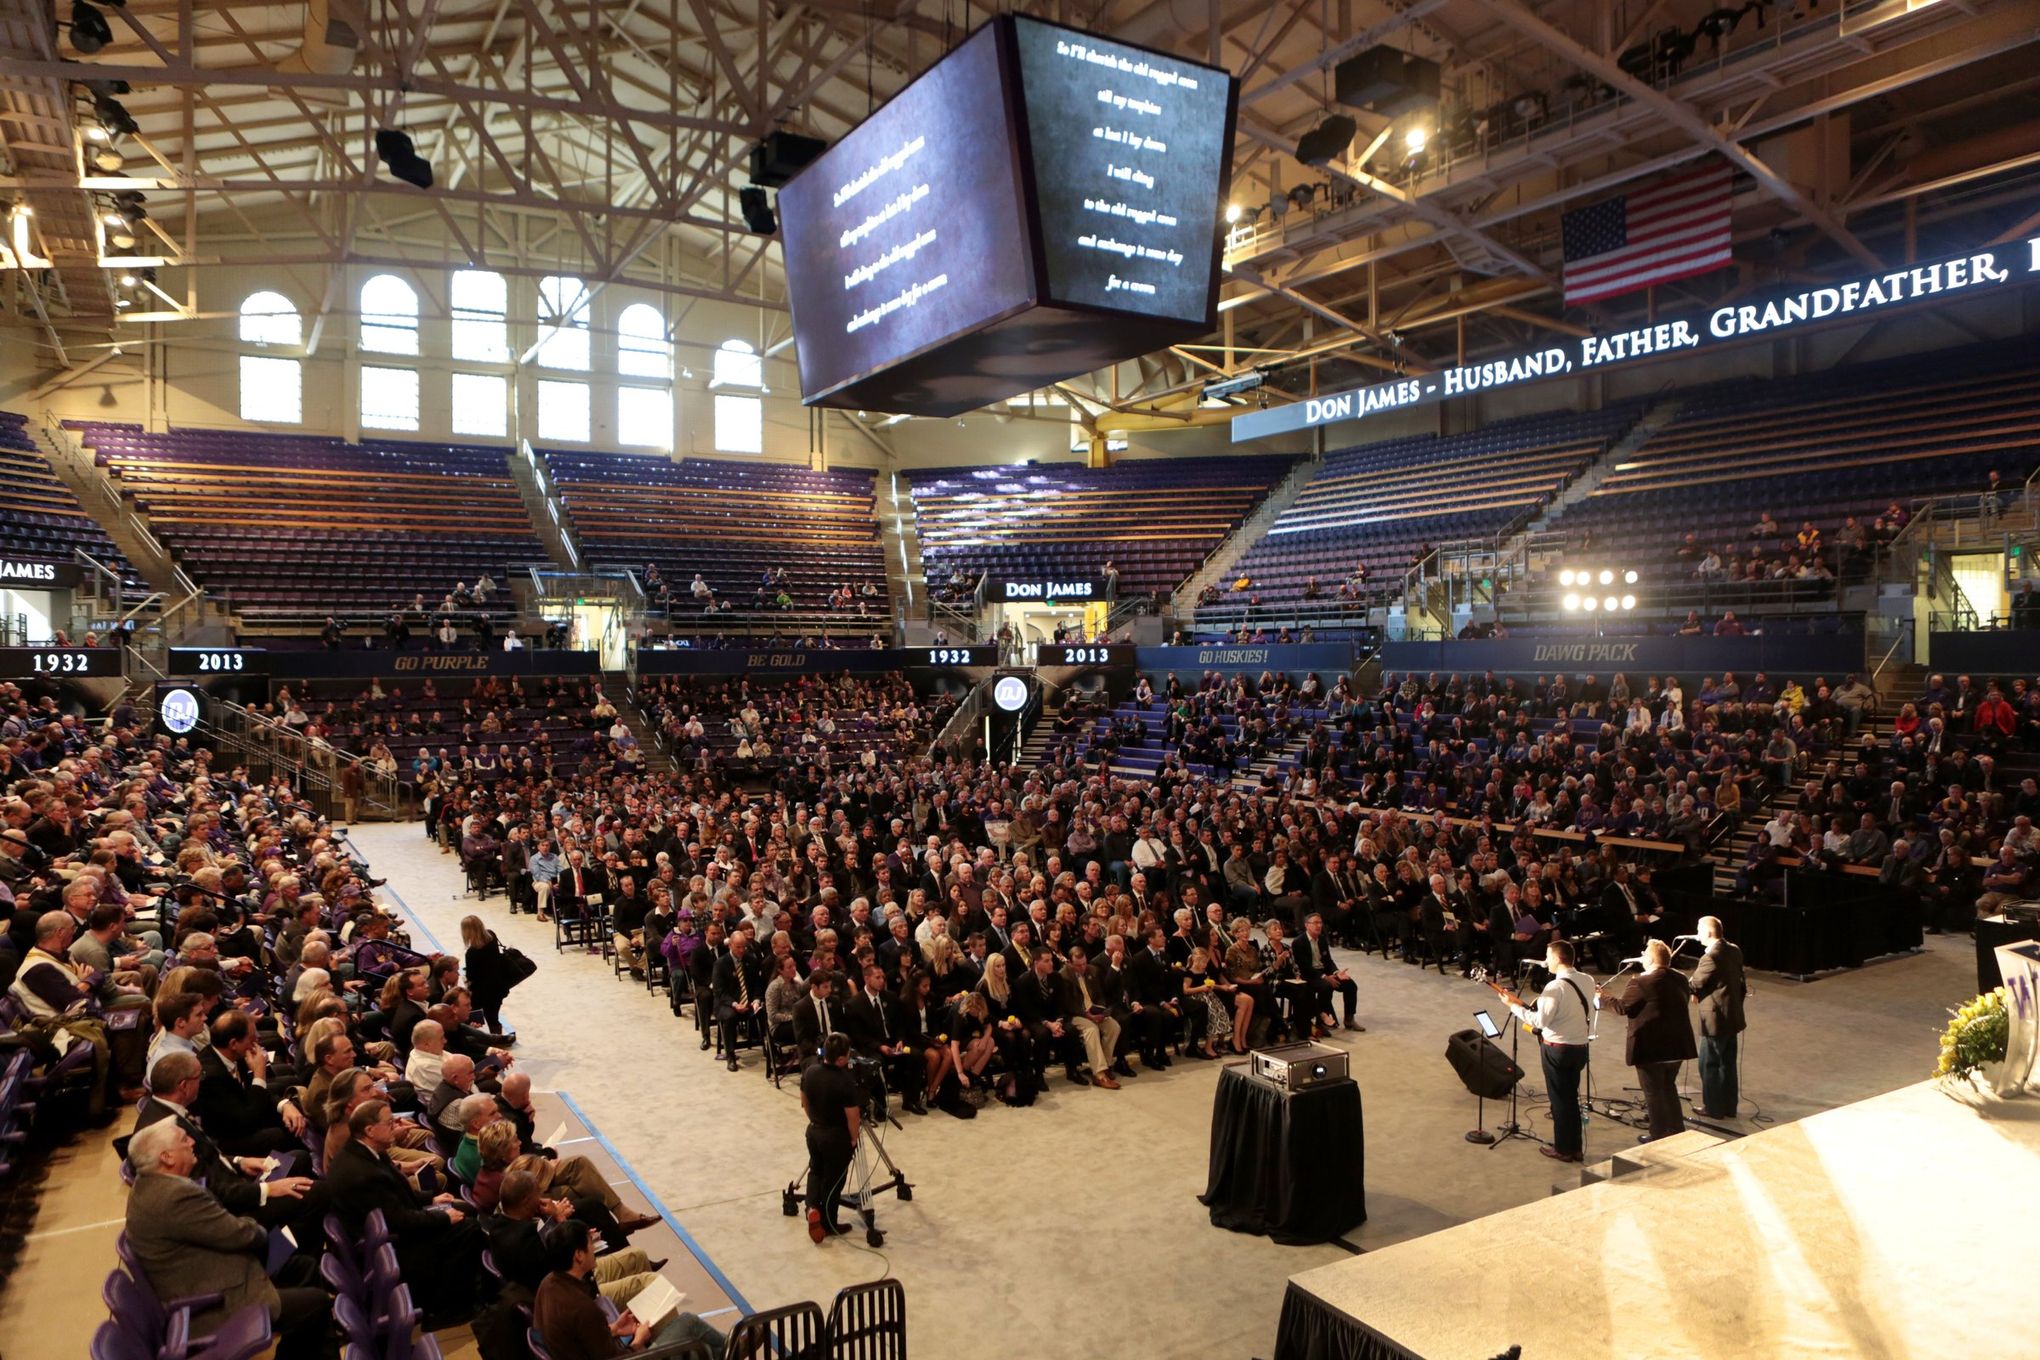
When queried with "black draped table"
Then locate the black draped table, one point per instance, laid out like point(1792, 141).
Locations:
point(1827, 921)
point(1992, 931)
point(1285, 1165)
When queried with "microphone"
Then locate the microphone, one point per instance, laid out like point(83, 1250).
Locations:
point(1686, 937)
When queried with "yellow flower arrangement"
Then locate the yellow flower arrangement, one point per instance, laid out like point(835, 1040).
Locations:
point(1975, 1036)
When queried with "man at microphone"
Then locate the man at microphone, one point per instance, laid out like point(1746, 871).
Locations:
point(1564, 1021)
point(1718, 989)
point(1657, 1002)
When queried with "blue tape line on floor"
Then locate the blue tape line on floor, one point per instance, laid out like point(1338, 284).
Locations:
point(658, 1208)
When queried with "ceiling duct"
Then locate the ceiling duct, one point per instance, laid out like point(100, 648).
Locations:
point(329, 47)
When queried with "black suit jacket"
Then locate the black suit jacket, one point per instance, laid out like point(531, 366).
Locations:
point(867, 1033)
point(1719, 986)
point(1313, 958)
point(1149, 980)
point(807, 1023)
point(515, 1245)
point(358, 1182)
point(1660, 1029)
point(233, 1108)
point(726, 990)
point(235, 1192)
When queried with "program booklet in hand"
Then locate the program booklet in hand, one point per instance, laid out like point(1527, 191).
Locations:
point(657, 1304)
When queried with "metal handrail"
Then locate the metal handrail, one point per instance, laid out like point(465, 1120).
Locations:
point(1904, 631)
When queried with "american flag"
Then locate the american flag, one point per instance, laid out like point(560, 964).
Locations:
point(1671, 230)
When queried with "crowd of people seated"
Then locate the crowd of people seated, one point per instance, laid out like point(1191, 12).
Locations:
point(974, 927)
point(294, 1068)
point(776, 592)
point(1936, 806)
point(496, 727)
point(753, 726)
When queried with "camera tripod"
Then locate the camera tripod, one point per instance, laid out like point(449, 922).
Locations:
point(872, 1172)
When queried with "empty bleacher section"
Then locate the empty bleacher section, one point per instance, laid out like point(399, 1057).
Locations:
point(1382, 504)
point(1156, 520)
point(287, 529)
point(1833, 449)
point(39, 517)
point(730, 523)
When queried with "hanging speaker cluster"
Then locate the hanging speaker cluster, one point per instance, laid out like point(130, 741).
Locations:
point(401, 158)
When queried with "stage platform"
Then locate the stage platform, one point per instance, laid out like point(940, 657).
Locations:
point(1897, 1227)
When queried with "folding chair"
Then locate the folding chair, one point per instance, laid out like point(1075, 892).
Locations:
point(869, 1322)
point(797, 1331)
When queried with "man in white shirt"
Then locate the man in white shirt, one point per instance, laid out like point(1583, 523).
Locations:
point(1564, 1020)
point(426, 1067)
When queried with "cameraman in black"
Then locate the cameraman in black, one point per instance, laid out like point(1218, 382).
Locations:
point(833, 1101)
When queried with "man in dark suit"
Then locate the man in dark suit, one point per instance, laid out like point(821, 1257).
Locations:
point(1038, 1001)
point(1322, 977)
point(234, 1099)
point(438, 1246)
point(174, 1086)
point(1154, 986)
point(1718, 989)
point(1660, 1035)
point(878, 1029)
point(739, 992)
point(819, 1014)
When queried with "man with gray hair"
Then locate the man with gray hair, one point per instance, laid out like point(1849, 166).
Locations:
point(187, 1243)
point(57, 996)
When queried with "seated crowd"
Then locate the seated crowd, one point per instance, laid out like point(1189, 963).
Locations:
point(306, 1088)
point(750, 725)
point(1941, 807)
point(491, 726)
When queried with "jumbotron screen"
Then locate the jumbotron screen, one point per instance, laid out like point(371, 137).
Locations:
point(1130, 157)
point(1038, 203)
point(911, 229)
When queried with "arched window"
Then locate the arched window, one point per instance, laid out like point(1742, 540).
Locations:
point(272, 388)
point(389, 316)
point(737, 365)
point(270, 319)
point(642, 349)
point(563, 322)
point(739, 419)
point(481, 317)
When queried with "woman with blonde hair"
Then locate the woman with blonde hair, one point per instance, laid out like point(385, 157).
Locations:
point(1016, 1047)
point(970, 1040)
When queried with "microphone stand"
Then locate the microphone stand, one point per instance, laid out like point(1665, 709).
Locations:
point(1614, 1107)
point(1511, 1128)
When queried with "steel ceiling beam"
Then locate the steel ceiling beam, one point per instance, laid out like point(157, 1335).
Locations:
point(1681, 116)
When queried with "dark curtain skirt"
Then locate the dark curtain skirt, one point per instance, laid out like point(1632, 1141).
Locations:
point(1310, 1331)
point(1287, 1167)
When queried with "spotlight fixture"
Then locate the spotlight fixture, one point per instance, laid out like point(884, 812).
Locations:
point(1607, 577)
point(1566, 578)
point(128, 280)
point(1327, 140)
point(114, 119)
point(97, 134)
point(1611, 604)
point(757, 209)
point(89, 29)
point(1589, 603)
point(400, 157)
point(1629, 602)
point(106, 160)
point(1415, 138)
point(1572, 603)
point(1232, 212)
point(121, 238)
point(1629, 577)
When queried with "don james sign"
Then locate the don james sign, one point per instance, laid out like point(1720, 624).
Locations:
point(1963, 275)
